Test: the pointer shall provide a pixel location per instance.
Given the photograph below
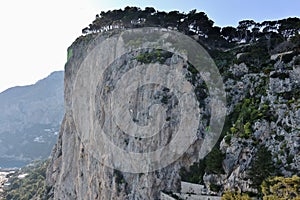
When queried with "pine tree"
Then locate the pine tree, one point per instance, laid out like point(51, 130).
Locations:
point(261, 167)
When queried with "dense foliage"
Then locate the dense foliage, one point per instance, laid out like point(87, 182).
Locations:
point(273, 188)
point(228, 195)
point(281, 188)
point(32, 186)
point(268, 33)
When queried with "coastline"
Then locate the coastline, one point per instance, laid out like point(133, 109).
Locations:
point(5, 174)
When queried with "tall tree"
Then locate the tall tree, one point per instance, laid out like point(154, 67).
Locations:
point(229, 33)
point(173, 18)
point(289, 27)
point(203, 24)
point(243, 29)
point(261, 167)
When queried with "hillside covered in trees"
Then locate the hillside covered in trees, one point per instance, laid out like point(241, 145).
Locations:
point(198, 24)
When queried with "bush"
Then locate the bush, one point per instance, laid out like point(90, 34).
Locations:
point(154, 56)
point(228, 139)
point(214, 187)
point(228, 195)
point(214, 161)
point(281, 188)
point(194, 174)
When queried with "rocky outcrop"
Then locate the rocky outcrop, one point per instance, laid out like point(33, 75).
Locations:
point(277, 129)
point(76, 169)
point(263, 111)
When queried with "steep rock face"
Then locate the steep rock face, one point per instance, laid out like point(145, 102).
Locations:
point(75, 172)
point(263, 110)
point(273, 123)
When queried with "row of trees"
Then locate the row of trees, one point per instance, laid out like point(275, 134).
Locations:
point(131, 17)
point(193, 23)
point(251, 30)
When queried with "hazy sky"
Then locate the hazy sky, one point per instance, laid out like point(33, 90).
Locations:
point(35, 34)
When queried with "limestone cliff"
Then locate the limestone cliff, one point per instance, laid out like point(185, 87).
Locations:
point(260, 72)
point(76, 170)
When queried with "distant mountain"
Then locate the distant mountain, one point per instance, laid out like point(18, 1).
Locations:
point(30, 118)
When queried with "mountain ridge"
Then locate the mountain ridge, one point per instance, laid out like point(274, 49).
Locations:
point(27, 111)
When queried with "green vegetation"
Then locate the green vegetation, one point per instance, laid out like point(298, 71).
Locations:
point(256, 56)
point(119, 179)
point(213, 161)
point(165, 99)
point(215, 188)
point(280, 75)
point(273, 188)
point(70, 54)
point(261, 167)
point(154, 56)
point(228, 138)
point(223, 60)
point(294, 93)
point(281, 188)
point(264, 37)
point(30, 187)
point(229, 195)
point(194, 174)
point(245, 114)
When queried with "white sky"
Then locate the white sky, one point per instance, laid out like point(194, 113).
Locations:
point(35, 34)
